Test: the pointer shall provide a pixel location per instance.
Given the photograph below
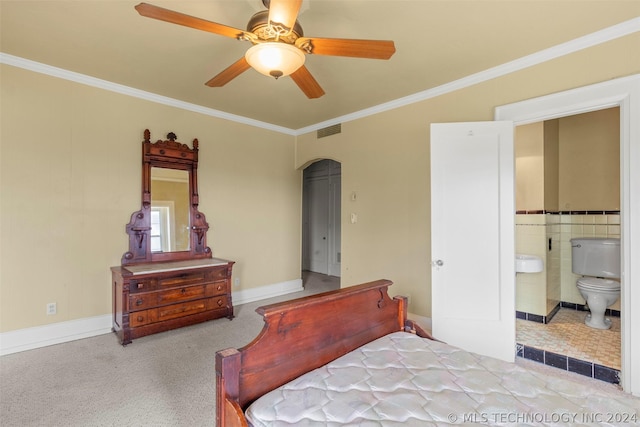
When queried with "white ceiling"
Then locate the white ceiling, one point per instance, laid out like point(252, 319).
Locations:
point(437, 41)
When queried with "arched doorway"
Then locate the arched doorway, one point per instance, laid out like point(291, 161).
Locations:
point(321, 208)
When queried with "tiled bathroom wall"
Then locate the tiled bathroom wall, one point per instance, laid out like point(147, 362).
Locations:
point(583, 224)
point(548, 235)
point(531, 288)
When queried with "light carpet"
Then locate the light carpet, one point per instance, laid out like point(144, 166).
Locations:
point(167, 379)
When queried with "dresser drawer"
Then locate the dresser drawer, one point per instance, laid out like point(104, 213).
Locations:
point(183, 279)
point(190, 307)
point(218, 288)
point(146, 317)
point(141, 318)
point(143, 301)
point(143, 285)
point(181, 294)
point(217, 302)
point(218, 273)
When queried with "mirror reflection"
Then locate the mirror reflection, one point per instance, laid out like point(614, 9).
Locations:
point(169, 210)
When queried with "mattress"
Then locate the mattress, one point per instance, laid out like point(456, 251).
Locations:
point(402, 379)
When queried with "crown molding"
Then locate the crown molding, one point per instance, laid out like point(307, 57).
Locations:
point(575, 45)
point(611, 33)
point(38, 67)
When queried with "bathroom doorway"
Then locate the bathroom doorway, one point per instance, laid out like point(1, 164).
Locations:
point(624, 93)
point(567, 186)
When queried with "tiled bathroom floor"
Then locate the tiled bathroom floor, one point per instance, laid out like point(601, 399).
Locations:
point(567, 334)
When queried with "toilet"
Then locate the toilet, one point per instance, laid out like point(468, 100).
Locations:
point(598, 261)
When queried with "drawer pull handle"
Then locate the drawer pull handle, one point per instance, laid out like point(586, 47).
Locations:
point(140, 285)
point(219, 287)
point(139, 302)
point(183, 290)
point(140, 318)
point(220, 302)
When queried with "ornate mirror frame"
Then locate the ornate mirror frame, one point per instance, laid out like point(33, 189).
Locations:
point(168, 154)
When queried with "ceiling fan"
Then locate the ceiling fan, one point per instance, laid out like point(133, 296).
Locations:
point(279, 46)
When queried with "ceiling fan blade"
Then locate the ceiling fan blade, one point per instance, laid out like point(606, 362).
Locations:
point(230, 73)
point(162, 14)
point(372, 49)
point(307, 83)
point(284, 12)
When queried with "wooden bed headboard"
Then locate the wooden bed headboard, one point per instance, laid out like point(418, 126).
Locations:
point(301, 335)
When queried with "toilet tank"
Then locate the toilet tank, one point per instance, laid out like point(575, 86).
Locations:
point(597, 257)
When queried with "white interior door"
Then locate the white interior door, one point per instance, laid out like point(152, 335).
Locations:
point(335, 229)
point(473, 237)
point(318, 243)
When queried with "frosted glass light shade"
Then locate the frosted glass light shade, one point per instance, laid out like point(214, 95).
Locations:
point(275, 59)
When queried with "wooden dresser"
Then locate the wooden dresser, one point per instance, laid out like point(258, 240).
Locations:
point(156, 297)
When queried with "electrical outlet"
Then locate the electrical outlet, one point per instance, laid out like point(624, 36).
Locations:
point(52, 308)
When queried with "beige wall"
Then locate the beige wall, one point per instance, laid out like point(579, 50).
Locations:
point(385, 158)
point(63, 212)
point(590, 161)
point(529, 151)
point(551, 165)
point(571, 163)
point(70, 179)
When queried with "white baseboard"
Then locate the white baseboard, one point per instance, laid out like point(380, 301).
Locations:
point(55, 333)
point(269, 291)
point(61, 332)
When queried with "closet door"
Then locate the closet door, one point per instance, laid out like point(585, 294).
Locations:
point(318, 223)
point(335, 229)
point(472, 235)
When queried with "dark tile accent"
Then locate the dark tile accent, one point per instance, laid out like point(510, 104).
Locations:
point(579, 307)
point(533, 354)
point(535, 318)
point(532, 212)
point(606, 374)
point(580, 367)
point(612, 313)
point(585, 212)
point(588, 369)
point(555, 360)
point(530, 317)
point(553, 313)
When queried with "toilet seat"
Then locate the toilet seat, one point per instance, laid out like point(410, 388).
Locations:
point(593, 283)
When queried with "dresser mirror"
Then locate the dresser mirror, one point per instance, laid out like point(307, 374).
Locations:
point(169, 226)
point(170, 213)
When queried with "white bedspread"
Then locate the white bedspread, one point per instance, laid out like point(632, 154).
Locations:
point(402, 379)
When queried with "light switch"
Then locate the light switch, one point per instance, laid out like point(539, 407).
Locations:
point(354, 218)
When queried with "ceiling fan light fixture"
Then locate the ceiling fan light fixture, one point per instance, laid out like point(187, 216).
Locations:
point(275, 59)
